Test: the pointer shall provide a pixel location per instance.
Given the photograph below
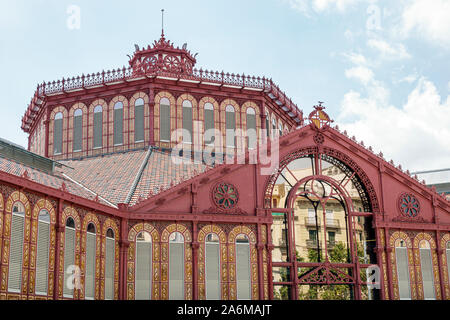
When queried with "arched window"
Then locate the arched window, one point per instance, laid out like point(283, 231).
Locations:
point(143, 271)
point(98, 126)
point(176, 266)
point(243, 275)
point(89, 280)
point(118, 123)
point(251, 128)
point(77, 130)
point(187, 121)
point(164, 119)
point(401, 256)
point(139, 120)
point(16, 248)
point(230, 119)
point(268, 124)
point(212, 267)
point(427, 270)
point(274, 127)
point(280, 128)
point(58, 133)
point(209, 122)
point(42, 254)
point(109, 264)
point(69, 257)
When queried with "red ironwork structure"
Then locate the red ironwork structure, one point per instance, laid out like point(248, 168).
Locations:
point(139, 198)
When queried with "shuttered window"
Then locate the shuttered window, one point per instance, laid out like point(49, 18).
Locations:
point(176, 266)
point(98, 126)
point(209, 123)
point(212, 266)
point(118, 123)
point(143, 272)
point(187, 121)
point(164, 119)
point(243, 276)
point(404, 287)
point(89, 280)
point(109, 267)
point(139, 120)
point(42, 255)
point(427, 271)
point(77, 130)
point(69, 255)
point(58, 133)
point(231, 126)
point(16, 248)
point(251, 128)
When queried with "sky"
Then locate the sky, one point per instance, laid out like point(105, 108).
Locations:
point(381, 67)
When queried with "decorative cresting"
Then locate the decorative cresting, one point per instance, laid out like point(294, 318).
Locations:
point(444, 240)
point(346, 164)
point(223, 261)
point(162, 56)
point(132, 234)
point(400, 235)
point(68, 212)
point(319, 117)
point(434, 257)
point(232, 261)
point(15, 197)
point(114, 225)
point(165, 260)
point(42, 204)
point(91, 218)
point(225, 195)
point(408, 205)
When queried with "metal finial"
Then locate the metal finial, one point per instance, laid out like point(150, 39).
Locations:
point(162, 23)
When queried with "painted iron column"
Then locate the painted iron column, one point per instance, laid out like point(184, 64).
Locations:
point(389, 263)
point(58, 278)
point(195, 246)
point(123, 250)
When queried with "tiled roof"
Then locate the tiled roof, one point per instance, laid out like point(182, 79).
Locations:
point(51, 180)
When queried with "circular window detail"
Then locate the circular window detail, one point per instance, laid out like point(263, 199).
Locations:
point(225, 195)
point(409, 205)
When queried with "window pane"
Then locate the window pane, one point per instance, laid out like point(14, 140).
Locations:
point(427, 274)
point(43, 247)
point(176, 271)
point(143, 281)
point(98, 129)
point(57, 136)
point(118, 126)
point(15, 254)
point(209, 123)
point(77, 133)
point(164, 121)
point(243, 277)
point(231, 127)
point(212, 266)
point(251, 130)
point(90, 266)
point(187, 122)
point(69, 258)
point(403, 273)
point(139, 120)
point(109, 269)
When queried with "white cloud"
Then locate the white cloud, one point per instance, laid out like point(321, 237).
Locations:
point(430, 19)
point(356, 58)
point(340, 5)
point(415, 135)
point(388, 51)
point(363, 74)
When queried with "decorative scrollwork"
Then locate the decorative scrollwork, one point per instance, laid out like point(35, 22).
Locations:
point(225, 196)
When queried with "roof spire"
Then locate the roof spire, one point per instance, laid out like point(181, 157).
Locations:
point(162, 23)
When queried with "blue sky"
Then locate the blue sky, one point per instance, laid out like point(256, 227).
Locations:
point(382, 67)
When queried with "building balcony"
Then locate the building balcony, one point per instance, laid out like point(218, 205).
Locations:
point(311, 221)
point(310, 243)
point(333, 223)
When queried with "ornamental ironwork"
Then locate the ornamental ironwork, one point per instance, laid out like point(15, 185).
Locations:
point(408, 205)
point(225, 196)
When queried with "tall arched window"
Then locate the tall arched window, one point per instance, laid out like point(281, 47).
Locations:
point(280, 129)
point(16, 248)
point(89, 280)
point(139, 120)
point(274, 127)
point(187, 121)
point(98, 126)
point(230, 119)
point(143, 272)
point(268, 124)
point(401, 256)
point(58, 133)
point(243, 275)
point(118, 123)
point(164, 119)
point(212, 267)
point(69, 256)
point(251, 128)
point(209, 122)
point(77, 130)
point(176, 266)
point(426, 264)
point(42, 254)
point(109, 264)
